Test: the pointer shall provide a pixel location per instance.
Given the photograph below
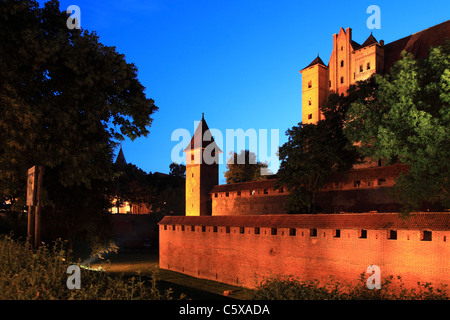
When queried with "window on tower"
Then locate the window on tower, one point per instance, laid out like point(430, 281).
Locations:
point(361, 68)
point(310, 116)
point(342, 79)
point(342, 63)
point(310, 84)
point(368, 65)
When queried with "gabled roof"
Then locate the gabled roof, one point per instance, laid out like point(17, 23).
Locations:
point(436, 221)
point(314, 62)
point(202, 138)
point(418, 44)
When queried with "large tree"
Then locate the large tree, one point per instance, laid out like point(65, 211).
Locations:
point(66, 99)
point(311, 155)
point(243, 167)
point(407, 119)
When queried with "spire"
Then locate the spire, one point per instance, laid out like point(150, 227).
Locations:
point(370, 40)
point(121, 157)
point(202, 137)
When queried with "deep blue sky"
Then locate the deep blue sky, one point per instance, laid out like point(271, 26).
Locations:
point(237, 61)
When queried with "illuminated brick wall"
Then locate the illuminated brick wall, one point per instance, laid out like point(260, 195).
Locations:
point(242, 250)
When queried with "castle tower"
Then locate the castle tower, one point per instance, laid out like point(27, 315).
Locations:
point(314, 90)
point(202, 171)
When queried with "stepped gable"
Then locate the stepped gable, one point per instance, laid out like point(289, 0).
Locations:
point(436, 221)
point(418, 44)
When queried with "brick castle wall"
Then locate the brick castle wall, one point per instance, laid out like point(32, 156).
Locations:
point(236, 251)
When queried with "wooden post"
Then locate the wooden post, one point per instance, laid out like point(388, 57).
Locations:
point(37, 221)
point(31, 201)
point(34, 188)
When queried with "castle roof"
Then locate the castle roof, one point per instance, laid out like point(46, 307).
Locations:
point(314, 62)
point(369, 41)
point(418, 44)
point(202, 138)
point(436, 221)
point(121, 157)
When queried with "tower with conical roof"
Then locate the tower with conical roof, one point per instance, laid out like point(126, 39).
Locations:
point(314, 90)
point(202, 171)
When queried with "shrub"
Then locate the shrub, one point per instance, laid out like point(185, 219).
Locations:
point(289, 288)
point(28, 274)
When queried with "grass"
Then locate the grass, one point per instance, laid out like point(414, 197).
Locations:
point(143, 262)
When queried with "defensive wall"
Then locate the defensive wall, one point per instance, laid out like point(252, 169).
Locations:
point(358, 190)
point(243, 250)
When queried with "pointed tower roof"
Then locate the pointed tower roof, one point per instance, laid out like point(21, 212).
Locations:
point(202, 138)
point(121, 157)
point(370, 40)
point(314, 62)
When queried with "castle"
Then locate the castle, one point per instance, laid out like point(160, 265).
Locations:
point(240, 233)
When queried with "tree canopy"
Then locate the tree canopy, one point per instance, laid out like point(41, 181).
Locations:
point(244, 167)
point(407, 119)
point(66, 99)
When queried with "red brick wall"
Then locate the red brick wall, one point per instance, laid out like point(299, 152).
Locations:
point(246, 258)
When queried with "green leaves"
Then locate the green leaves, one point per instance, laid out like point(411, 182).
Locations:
point(407, 119)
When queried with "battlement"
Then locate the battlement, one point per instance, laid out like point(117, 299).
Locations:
point(243, 250)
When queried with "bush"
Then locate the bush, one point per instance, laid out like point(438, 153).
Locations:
point(29, 274)
point(290, 288)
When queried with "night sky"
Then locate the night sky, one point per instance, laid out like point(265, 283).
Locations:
point(237, 61)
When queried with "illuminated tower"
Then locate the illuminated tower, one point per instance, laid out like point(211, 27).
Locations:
point(314, 90)
point(202, 171)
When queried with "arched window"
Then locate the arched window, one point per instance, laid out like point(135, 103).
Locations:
point(342, 63)
point(342, 79)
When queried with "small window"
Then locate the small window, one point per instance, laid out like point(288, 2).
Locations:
point(381, 181)
point(426, 235)
point(165, 227)
point(361, 68)
point(192, 228)
point(363, 234)
point(329, 84)
point(182, 228)
point(203, 228)
point(380, 162)
point(192, 175)
point(337, 233)
point(273, 231)
point(368, 65)
point(227, 229)
point(309, 116)
point(281, 190)
point(342, 63)
point(313, 232)
point(257, 231)
point(192, 157)
point(310, 84)
point(292, 232)
point(266, 191)
point(227, 194)
point(342, 79)
point(357, 183)
point(238, 193)
point(342, 48)
point(252, 192)
point(241, 230)
point(214, 228)
point(392, 235)
point(216, 195)
point(309, 102)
